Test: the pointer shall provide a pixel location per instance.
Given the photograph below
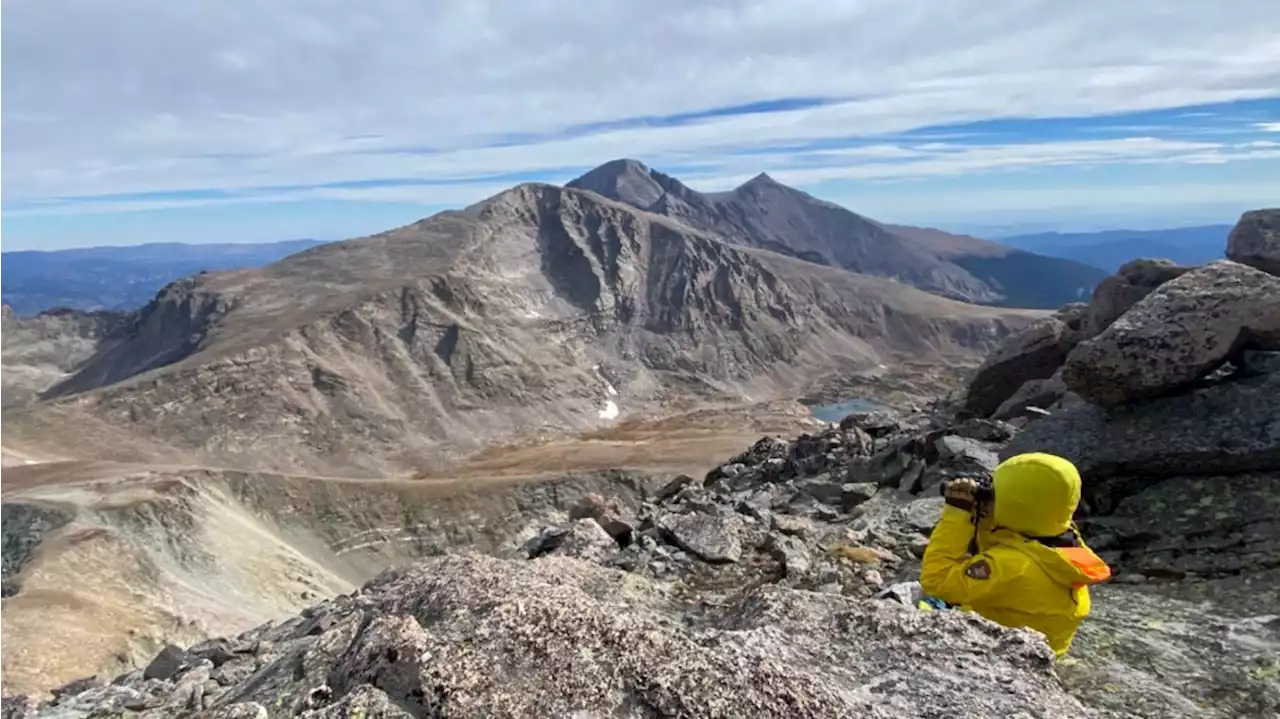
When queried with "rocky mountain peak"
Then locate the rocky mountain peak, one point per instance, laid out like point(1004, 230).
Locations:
point(625, 180)
point(764, 180)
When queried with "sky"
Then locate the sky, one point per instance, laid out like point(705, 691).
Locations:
point(253, 120)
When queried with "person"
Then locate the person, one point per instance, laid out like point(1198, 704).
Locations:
point(1031, 567)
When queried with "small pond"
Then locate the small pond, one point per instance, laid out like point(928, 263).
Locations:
point(836, 411)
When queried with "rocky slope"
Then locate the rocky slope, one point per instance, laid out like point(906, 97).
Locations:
point(766, 214)
point(540, 311)
point(41, 351)
point(778, 585)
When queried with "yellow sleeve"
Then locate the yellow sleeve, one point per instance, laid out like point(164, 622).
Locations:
point(949, 573)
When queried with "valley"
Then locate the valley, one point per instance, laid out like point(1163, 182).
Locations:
point(601, 399)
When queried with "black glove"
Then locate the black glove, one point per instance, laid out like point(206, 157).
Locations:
point(962, 493)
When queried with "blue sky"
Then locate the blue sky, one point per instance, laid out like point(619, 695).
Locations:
point(256, 121)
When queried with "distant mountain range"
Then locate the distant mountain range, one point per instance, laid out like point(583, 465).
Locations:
point(121, 278)
point(761, 214)
point(1112, 248)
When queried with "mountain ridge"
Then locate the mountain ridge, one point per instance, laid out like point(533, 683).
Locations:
point(527, 313)
point(767, 214)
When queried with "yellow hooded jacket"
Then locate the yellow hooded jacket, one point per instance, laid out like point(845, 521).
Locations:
point(1015, 580)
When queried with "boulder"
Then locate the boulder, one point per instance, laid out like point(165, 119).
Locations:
point(1133, 281)
point(1177, 334)
point(166, 664)
point(1036, 352)
point(714, 539)
point(19, 706)
point(790, 552)
point(1038, 393)
point(1225, 428)
point(875, 423)
point(587, 540)
point(922, 514)
point(1255, 240)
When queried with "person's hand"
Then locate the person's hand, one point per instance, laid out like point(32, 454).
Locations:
point(962, 493)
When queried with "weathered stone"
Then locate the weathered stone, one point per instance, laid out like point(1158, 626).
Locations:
point(546, 541)
point(1034, 353)
point(790, 551)
point(166, 664)
point(823, 489)
point(670, 489)
point(218, 651)
point(714, 539)
point(788, 524)
point(18, 707)
point(1177, 334)
point(1255, 240)
point(875, 423)
point(1038, 394)
point(912, 479)
point(587, 540)
point(853, 494)
point(1224, 428)
point(364, 702)
point(1132, 282)
point(77, 686)
point(922, 514)
point(1251, 363)
point(966, 453)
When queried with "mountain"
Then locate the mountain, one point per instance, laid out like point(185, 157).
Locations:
point(766, 214)
point(1110, 249)
point(41, 351)
point(121, 278)
point(541, 310)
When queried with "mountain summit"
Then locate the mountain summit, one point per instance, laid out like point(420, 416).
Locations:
point(767, 214)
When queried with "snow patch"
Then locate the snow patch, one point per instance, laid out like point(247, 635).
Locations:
point(612, 392)
point(610, 410)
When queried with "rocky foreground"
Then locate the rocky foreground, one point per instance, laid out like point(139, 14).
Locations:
point(779, 584)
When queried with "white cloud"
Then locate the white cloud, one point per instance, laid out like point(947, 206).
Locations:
point(140, 96)
point(1268, 126)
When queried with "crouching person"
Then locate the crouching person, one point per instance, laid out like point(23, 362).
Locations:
point(1031, 569)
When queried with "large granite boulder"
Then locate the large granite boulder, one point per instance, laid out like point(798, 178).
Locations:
point(1255, 240)
point(1034, 353)
point(1133, 281)
point(1177, 334)
point(1229, 427)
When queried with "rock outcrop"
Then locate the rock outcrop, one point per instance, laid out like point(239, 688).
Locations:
point(1180, 332)
point(1133, 281)
point(1255, 240)
point(1035, 353)
point(1230, 426)
point(43, 350)
point(466, 635)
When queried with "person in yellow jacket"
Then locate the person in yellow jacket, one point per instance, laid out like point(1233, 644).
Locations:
point(1032, 568)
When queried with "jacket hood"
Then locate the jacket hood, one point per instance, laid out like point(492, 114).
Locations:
point(1036, 494)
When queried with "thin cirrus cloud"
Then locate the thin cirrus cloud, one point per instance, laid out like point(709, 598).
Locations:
point(142, 105)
